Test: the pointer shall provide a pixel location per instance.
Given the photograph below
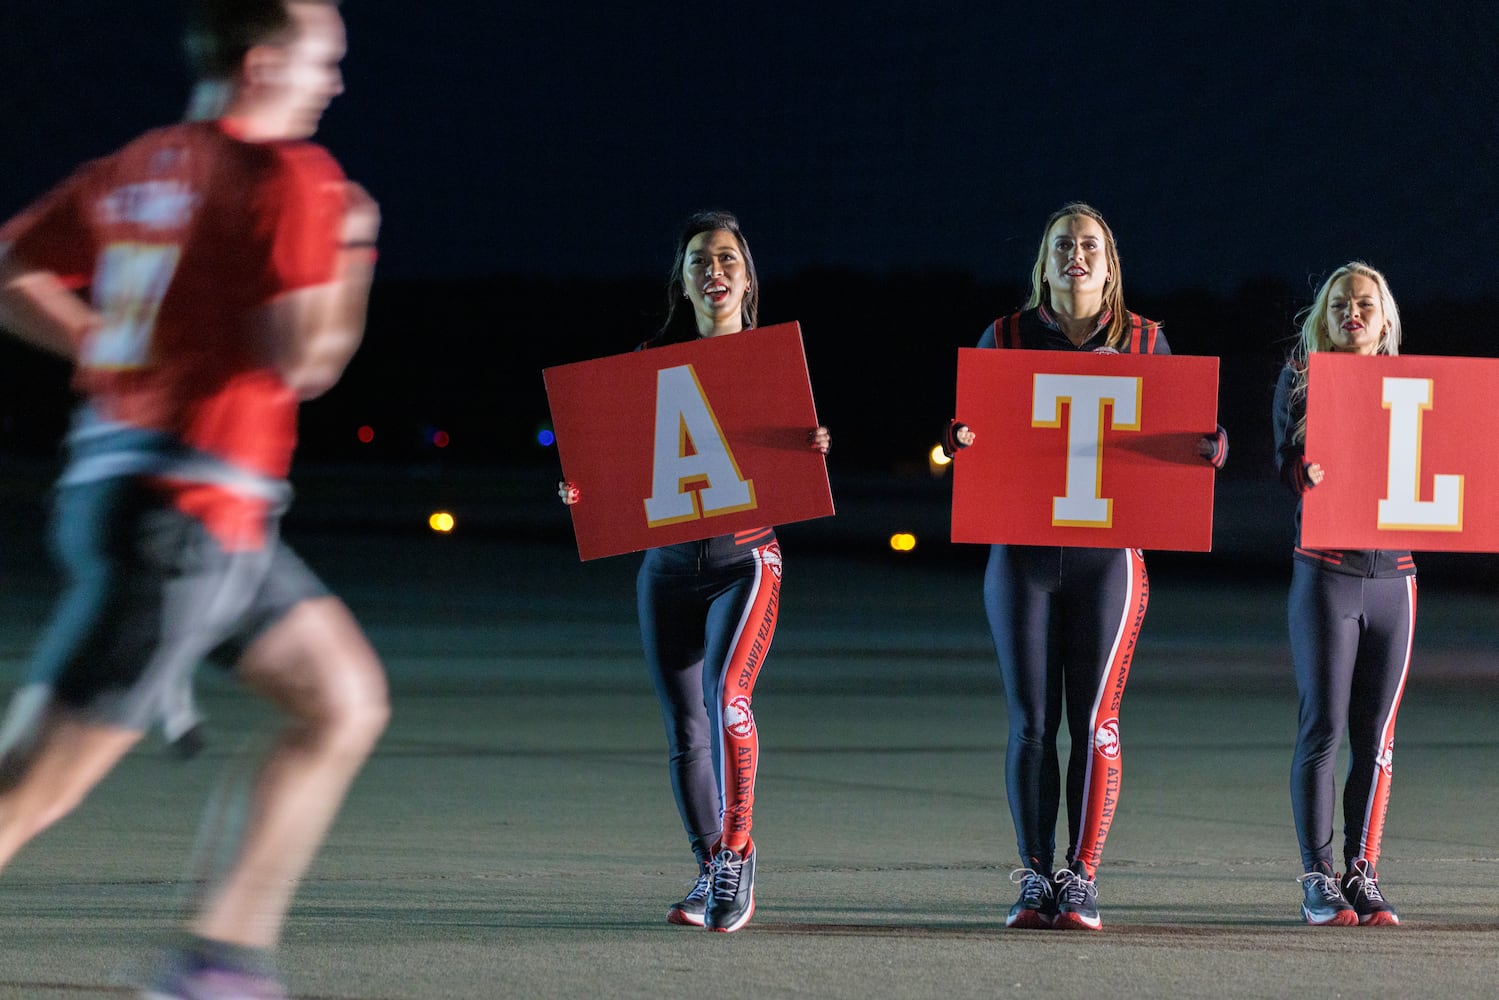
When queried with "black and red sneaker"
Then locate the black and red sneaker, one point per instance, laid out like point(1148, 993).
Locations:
point(731, 893)
point(1037, 906)
point(1077, 902)
point(1361, 888)
point(1323, 903)
point(690, 909)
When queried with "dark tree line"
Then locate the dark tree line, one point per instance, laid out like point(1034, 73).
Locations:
point(465, 356)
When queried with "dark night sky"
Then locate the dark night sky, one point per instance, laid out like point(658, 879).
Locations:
point(892, 165)
point(1224, 142)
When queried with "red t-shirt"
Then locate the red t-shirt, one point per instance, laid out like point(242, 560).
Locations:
point(179, 237)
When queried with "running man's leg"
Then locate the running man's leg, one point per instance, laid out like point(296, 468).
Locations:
point(43, 782)
point(316, 665)
point(127, 630)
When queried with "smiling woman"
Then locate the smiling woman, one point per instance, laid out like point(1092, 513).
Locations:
point(713, 271)
point(715, 279)
point(708, 611)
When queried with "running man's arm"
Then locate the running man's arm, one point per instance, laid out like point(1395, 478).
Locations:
point(36, 307)
point(46, 253)
point(314, 332)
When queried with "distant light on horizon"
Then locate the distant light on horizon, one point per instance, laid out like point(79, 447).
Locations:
point(366, 433)
point(440, 439)
point(902, 541)
point(938, 462)
point(441, 522)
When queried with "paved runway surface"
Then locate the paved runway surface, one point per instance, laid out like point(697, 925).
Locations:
point(515, 836)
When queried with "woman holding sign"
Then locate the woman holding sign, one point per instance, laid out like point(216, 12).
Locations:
point(1352, 617)
point(1065, 619)
point(708, 612)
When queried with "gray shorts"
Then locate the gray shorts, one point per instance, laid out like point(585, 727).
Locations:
point(150, 594)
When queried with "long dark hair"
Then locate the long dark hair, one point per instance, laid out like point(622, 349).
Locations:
point(680, 324)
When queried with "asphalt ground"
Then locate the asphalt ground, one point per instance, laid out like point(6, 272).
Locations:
point(514, 835)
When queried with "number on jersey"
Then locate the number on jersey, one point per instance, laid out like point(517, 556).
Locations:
point(130, 281)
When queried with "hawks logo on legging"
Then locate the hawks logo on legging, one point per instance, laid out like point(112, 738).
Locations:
point(1102, 779)
point(741, 742)
point(770, 557)
point(737, 718)
point(1106, 740)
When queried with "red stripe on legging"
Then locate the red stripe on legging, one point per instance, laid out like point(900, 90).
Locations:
point(740, 759)
point(1106, 766)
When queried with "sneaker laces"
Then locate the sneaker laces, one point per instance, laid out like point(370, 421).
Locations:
point(727, 867)
point(1361, 879)
point(699, 892)
point(1035, 888)
point(1324, 884)
point(1074, 888)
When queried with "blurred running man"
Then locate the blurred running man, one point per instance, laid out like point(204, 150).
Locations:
point(227, 264)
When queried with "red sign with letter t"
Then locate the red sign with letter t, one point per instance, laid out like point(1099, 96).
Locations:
point(1407, 458)
point(688, 441)
point(1085, 449)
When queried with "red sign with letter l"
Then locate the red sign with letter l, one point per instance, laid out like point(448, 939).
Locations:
point(1408, 459)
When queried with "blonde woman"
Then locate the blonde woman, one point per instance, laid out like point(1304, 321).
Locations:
point(1065, 619)
point(1352, 616)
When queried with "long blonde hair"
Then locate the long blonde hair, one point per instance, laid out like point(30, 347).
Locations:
point(1314, 335)
point(1113, 289)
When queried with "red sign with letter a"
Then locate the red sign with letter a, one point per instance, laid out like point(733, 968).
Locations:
point(1407, 456)
point(688, 441)
point(1085, 449)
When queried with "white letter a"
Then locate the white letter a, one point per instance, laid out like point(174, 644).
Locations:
point(693, 472)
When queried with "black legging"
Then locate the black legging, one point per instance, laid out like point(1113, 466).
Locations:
point(1351, 646)
point(707, 616)
point(1065, 622)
